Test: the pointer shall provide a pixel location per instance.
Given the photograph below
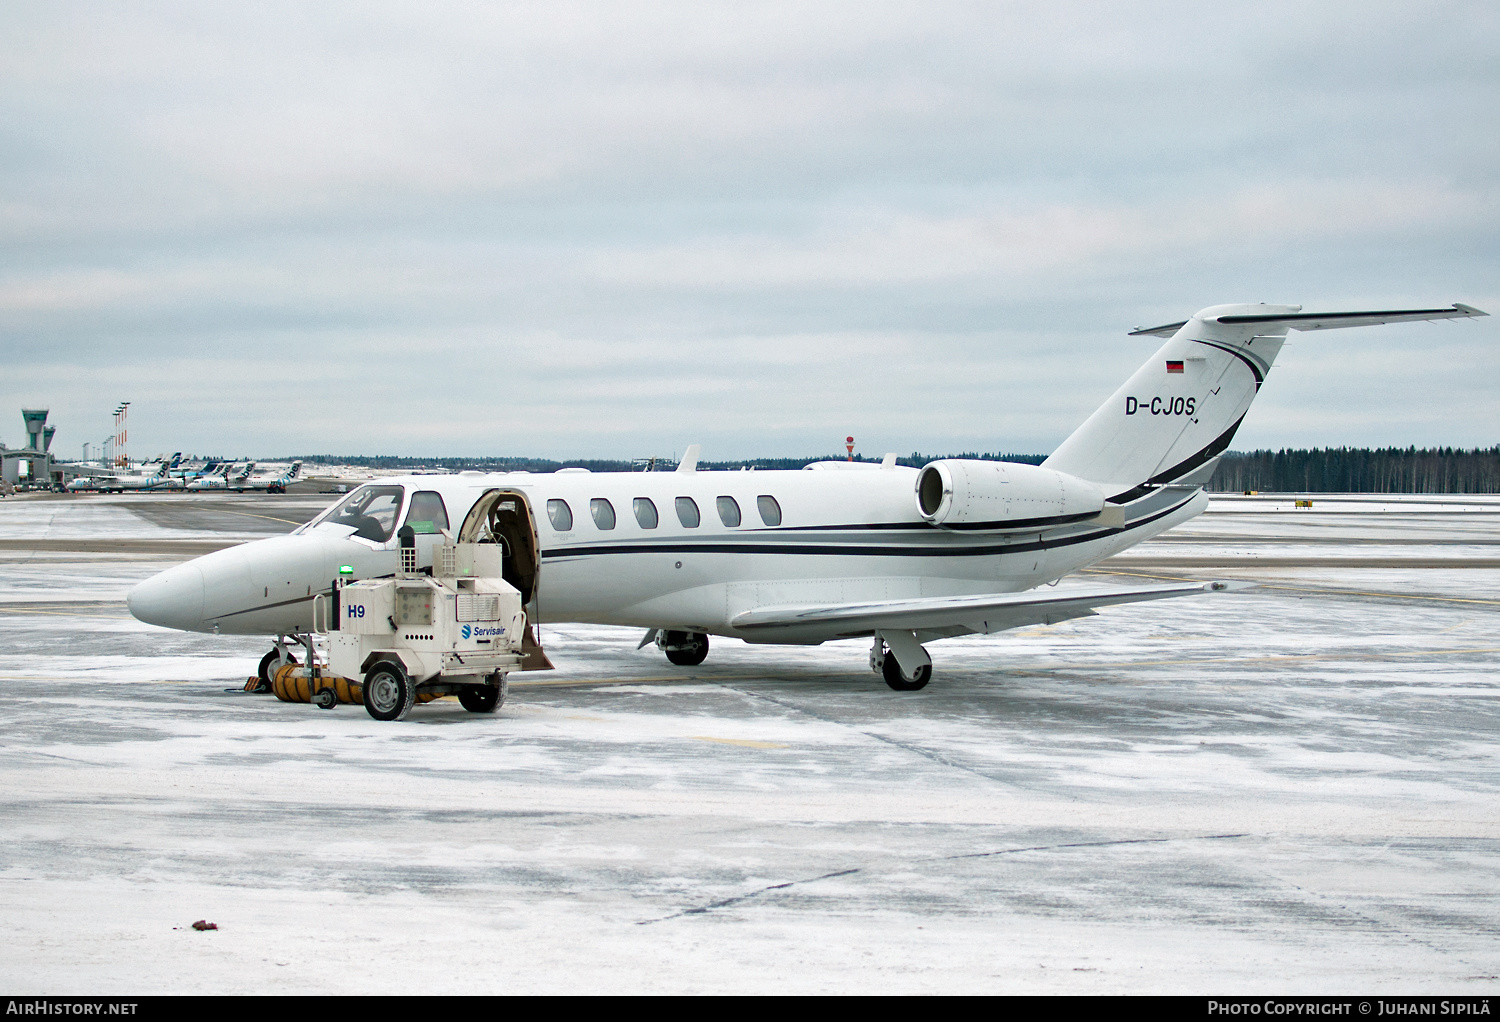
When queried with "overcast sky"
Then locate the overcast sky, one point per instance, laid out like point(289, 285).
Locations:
point(611, 230)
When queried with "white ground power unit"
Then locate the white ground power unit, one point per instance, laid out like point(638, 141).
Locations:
point(415, 637)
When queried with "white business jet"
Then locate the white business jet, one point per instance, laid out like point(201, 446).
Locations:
point(898, 555)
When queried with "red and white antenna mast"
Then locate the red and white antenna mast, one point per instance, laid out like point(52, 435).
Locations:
point(120, 460)
point(849, 444)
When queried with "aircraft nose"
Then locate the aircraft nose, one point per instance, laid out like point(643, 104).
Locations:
point(172, 599)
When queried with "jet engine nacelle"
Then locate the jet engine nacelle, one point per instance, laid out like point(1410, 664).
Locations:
point(981, 495)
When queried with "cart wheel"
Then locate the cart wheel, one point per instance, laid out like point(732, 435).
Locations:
point(480, 698)
point(389, 692)
point(325, 699)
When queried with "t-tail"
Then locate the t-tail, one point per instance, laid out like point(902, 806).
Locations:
point(1170, 422)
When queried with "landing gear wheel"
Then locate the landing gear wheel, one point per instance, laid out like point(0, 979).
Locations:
point(268, 665)
point(899, 681)
point(691, 648)
point(389, 692)
point(325, 699)
point(480, 699)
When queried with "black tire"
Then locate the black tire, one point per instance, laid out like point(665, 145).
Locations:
point(267, 663)
point(899, 681)
point(692, 651)
point(325, 699)
point(389, 692)
point(480, 698)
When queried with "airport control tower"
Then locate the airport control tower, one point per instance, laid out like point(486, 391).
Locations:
point(36, 422)
point(32, 465)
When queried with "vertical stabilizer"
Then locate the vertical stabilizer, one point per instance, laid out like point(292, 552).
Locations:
point(1170, 421)
point(1178, 412)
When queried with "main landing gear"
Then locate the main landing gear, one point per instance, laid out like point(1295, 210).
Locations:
point(901, 660)
point(685, 649)
point(487, 699)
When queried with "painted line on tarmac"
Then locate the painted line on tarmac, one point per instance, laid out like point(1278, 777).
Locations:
point(64, 613)
point(1300, 589)
point(591, 683)
point(242, 514)
point(742, 742)
point(94, 680)
point(1048, 669)
point(579, 683)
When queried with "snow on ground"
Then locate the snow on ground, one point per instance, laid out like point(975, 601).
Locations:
point(1287, 789)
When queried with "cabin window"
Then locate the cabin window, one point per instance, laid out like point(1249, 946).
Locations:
point(770, 511)
point(687, 512)
point(729, 512)
point(645, 512)
point(370, 511)
point(427, 514)
point(560, 515)
point(603, 512)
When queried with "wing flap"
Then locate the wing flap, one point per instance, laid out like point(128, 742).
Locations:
point(985, 613)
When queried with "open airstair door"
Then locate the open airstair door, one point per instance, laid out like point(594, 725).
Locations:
point(504, 517)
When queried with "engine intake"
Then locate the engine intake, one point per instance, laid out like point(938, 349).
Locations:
point(1001, 495)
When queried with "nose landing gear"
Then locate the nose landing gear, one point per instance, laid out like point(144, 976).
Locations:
point(279, 656)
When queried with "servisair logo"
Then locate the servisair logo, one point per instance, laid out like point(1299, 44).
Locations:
point(480, 631)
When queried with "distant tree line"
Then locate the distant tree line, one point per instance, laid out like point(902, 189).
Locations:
point(914, 460)
point(1361, 470)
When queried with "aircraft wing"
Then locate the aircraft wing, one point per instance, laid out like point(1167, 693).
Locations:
point(987, 613)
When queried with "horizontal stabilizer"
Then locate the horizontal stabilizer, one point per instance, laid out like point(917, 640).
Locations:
point(987, 613)
point(1334, 320)
point(1166, 330)
point(1321, 320)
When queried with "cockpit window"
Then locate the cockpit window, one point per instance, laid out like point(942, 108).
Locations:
point(370, 511)
point(427, 514)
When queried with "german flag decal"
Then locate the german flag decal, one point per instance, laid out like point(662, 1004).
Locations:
point(1174, 367)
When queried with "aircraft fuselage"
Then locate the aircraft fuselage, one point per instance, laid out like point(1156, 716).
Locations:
point(839, 536)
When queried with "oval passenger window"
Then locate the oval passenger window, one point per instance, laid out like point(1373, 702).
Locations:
point(603, 512)
point(560, 515)
point(645, 512)
point(687, 512)
point(729, 512)
point(770, 511)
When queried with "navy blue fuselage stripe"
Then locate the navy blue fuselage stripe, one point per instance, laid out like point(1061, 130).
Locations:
point(851, 549)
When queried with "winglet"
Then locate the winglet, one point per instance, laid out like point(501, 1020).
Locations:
point(689, 462)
